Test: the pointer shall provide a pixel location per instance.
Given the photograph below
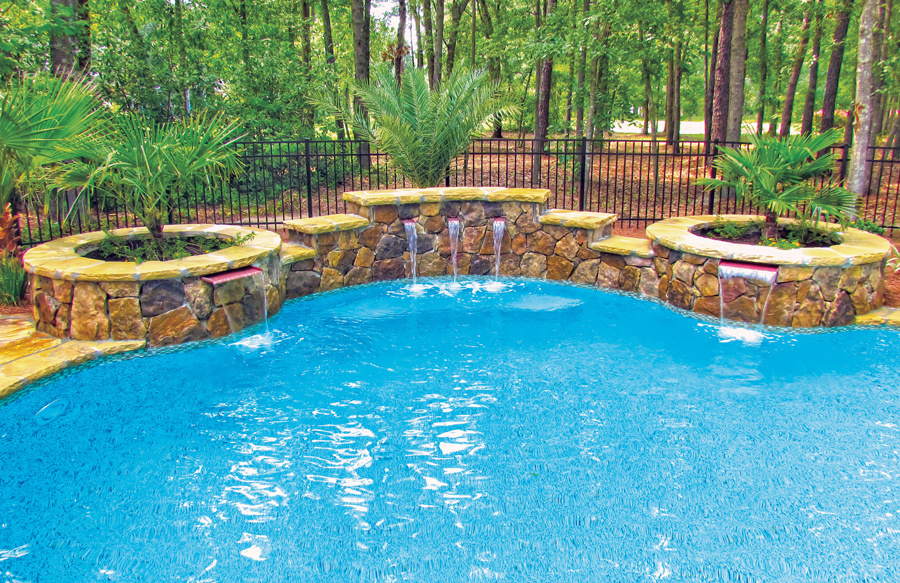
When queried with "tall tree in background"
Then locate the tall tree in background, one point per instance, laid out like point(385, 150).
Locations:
point(763, 67)
point(723, 73)
point(542, 121)
point(62, 37)
point(776, 83)
point(361, 15)
point(863, 138)
point(582, 65)
point(457, 8)
point(842, 24)
point(809, 105)
point(790, 92)
point(438, 42)
point(737, 70)
point(401, 46)
point(710, 73)
point(878, 62)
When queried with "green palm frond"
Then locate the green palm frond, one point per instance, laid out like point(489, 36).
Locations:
point(777, 175)
point(422, 130)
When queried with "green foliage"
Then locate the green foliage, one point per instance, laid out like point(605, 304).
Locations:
point(423, 130)
point(785, 244)
point(12, 280)
point(733, 230)
point(867, 225)
point(149, 165)
point(116, 248)
point(45, 121)
point(777, 175)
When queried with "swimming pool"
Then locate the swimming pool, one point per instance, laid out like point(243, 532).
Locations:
point(542, 432)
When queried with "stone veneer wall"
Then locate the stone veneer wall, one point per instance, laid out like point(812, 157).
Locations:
point(164, 312)
point(802, 296)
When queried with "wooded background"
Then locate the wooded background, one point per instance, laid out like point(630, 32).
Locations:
point(574, 66)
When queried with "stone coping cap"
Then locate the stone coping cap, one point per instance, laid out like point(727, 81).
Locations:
point(576, 219)
point(619, 245)
point(327, 224)
point(451, 194)
point(60, 259)
point(858, 248)
point(294, 252)
point(883, 316)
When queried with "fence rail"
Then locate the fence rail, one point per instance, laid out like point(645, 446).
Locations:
point(641, 181)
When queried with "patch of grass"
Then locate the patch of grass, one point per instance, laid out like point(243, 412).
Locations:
point(12, 280)
point(116, 248)
point(869, 226)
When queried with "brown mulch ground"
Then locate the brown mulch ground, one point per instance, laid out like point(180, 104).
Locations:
point(24, 307)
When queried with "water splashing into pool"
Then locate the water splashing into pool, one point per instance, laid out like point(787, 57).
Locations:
point(453, 230)
point(412, 238)
point(767, 274)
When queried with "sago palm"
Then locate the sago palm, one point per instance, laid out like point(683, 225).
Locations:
point(43, 121)
point(149, 165)
point(423, 130)
point(778, 175)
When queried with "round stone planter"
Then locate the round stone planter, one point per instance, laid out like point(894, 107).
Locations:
point(823, 286)
point(164, 302)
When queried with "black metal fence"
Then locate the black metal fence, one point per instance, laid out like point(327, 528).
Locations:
point(641, 181)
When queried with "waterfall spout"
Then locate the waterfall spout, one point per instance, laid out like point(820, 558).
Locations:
point(453, 229)
point(499, 230)
point(413, 239)
point(764, 274)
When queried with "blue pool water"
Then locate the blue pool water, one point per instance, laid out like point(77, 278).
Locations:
point(538, 433)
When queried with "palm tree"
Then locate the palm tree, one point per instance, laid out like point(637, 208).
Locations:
point(778, 176)
point(422, 130)
point(43, 121)
point(149, 165)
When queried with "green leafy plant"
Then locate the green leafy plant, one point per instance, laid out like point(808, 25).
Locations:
point(422, 130)
point(733, 230)
point(12, 280)
point(116, 248)
point(777, 175)
point(869, 226)
point(779, 243)
point(148, 166)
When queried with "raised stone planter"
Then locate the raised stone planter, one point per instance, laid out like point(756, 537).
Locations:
point(164, 302)
point(825, 286)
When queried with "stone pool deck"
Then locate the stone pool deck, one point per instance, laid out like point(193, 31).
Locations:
point(27, 356)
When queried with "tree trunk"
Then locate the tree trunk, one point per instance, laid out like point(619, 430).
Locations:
point(670, 96)
point(569, 91)
point(84, 37)
point(604, 124)
point(420, 55)
point(829, 103)
point(776, 84)
point(710, 74)
point(579, 87)
point(723, 73)
point(763, 68)
point(809, 107)
point(360, 15)
point(456, 11)
point(542, 123)
point(401, 46)
point(245, 36)
point(863, 138)
point(676, 119)
point(438, 41)
point(429, 42)
point(738, 71)
point(787, 111)
point(330, 59)
point(62, 44)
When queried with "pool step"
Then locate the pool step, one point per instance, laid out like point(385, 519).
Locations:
point(628, 246)
point(327, 224)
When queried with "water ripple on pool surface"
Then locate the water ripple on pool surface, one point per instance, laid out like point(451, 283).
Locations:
point(536, 432)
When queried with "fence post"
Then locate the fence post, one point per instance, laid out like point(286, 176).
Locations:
point(712, 192)
point(582, 177)
point(308, 179)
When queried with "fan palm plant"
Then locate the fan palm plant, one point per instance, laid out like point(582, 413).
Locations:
point(149, 165)
point(420, 129)
point(777, 175)
point(43, 121)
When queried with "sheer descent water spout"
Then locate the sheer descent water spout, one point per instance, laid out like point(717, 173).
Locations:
point(412, 238)
point(767, 274)
point(499, 230)
point(453, 229)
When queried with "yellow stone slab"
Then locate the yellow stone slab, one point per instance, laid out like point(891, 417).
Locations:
point(111, 347)
point(327, 224)
point(455, 194)
point(9, 385)
point(199, 265)
point(620, 245)
point(110, 271)
point(576, 219)
point(294, 252)
point(24, 347)
point(858, 248)
point(14, 329)
point(33, 367)
point(877, 317)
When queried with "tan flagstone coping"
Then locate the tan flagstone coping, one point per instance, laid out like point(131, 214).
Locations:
point(858, 247)
point(576, 219)
point(60, 259)
point(450, 194)
point(619, 245)
point(883, 316)
point(27, 356)
point(327, 224)
point(294, 252)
